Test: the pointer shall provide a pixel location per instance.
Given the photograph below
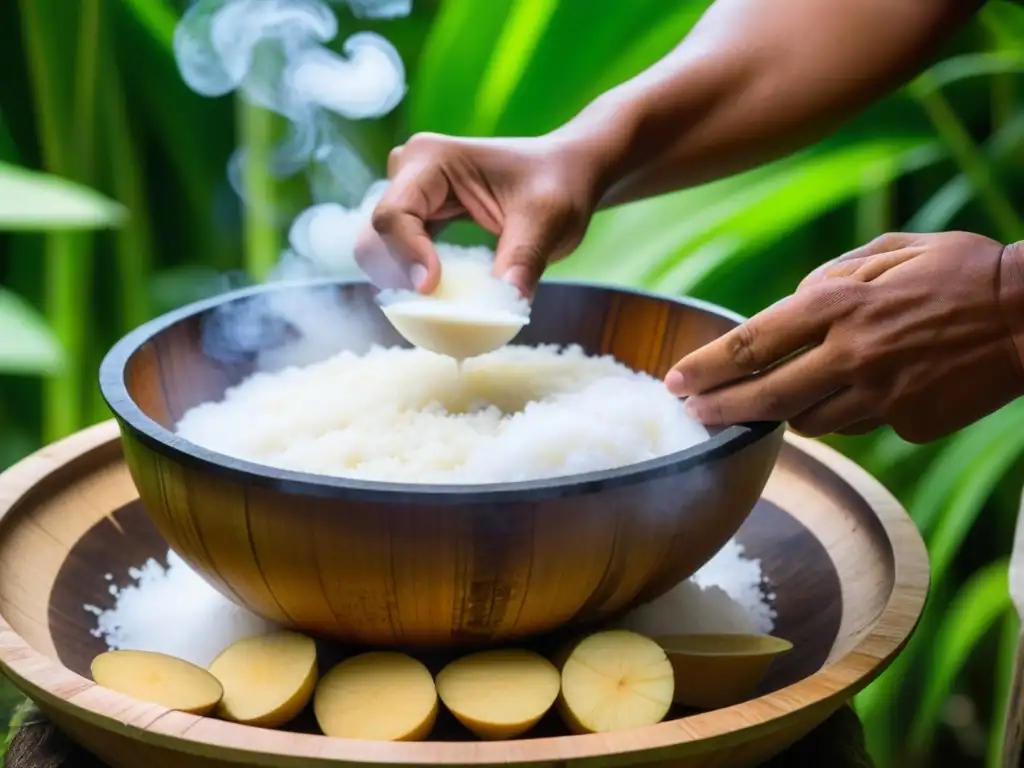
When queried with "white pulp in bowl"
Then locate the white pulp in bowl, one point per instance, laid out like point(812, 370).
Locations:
point(470, 313)
point(453, 330)
point(407, 415)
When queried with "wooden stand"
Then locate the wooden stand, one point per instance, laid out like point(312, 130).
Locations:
point(847, 565)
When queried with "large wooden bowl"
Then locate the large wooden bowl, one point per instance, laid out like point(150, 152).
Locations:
point(393, 564)
point(846, 565)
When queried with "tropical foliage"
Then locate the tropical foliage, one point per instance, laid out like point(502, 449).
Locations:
point(92, 96)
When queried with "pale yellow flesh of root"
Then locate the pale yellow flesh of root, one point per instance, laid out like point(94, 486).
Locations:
point(381, 695)
point(267, 679)
point(499, 694)
point(159, 679)
point(615, 680)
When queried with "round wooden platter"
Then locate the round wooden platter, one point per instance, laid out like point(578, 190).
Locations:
point(846, 565)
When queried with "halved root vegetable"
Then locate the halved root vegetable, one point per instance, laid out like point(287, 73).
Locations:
point(615, 680)
point(158, 678)
point(267, 679)
point(499, 694)
point(381, 695)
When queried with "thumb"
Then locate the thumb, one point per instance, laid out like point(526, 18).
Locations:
point(526, 245)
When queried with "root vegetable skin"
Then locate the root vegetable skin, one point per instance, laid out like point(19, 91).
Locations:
point(380, 695)
point(499, 694)
point(267, 679)
point(615, 680)
point(158, 678)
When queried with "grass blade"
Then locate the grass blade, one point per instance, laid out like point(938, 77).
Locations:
point(951, 198)
point(519, 37)
point(1008, 639)
point(753, 210)
point(961, 146)
point(979, 604)
point(156, 17)
point(134, 245)
point(262, 248)
point(459, 45)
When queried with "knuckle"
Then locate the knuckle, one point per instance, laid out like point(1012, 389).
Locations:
point(424, 142)
point(741, 347)
point(385, 219)
point(839, 292)
point(890, 241)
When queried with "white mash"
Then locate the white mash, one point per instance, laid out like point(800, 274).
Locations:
point(408, 415)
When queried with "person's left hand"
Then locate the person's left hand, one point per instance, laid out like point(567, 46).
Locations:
point(924, 333)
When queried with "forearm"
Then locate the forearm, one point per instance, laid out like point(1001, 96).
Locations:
point(755, 80)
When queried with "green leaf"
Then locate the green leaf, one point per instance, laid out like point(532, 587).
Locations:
point(951, 198)
point(27, 345)
point(30, 200)
point(1002, 679)
point(446, 82)
point(8, 149)
point(156, 17)
point(1005, 20)
point(621, 40)
point(961, 479)
point(882, 706)
point(640, 244)
point(649, 43)
point(983, 600)
point(967, 66)
point(513, 50)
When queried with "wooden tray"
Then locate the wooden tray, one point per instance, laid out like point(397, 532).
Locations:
point(847, 565)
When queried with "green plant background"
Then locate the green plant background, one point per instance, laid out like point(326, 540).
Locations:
point(91, 95)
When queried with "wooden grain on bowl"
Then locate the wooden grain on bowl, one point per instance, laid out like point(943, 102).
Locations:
point(847, 565)
point(392, 564)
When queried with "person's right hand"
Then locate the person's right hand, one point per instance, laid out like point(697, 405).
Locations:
point(536, 194)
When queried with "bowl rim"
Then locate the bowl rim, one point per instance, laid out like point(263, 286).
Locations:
point(58, 688)
point(130, 416)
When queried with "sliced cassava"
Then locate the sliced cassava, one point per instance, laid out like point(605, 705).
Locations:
point(499, 694)
point(158, 678)
point(380, 695)
point(267, 679)
point(615, 680)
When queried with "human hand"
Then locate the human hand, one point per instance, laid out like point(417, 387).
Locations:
point(924, 333)
point(535, 194)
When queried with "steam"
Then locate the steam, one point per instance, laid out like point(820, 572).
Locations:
point(274, 54)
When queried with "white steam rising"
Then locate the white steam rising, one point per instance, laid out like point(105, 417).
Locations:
point(274, 54)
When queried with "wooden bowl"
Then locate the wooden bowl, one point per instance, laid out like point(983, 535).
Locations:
point(847, 566)
point(717, 670)
point(397, 564)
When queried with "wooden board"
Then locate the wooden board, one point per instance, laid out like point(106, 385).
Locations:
point(848, 567)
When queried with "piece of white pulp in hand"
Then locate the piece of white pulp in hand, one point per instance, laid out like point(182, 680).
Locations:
point(470, 313)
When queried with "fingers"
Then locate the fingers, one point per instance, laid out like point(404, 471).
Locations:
point(526, 245)
point(784, 328)
point(784, 391)
point(401, 225)
point(848, 263)
point(851, 411)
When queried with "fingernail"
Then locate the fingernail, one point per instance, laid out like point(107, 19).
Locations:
point(517, 276)
point(675, 383)
point(417, 275)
